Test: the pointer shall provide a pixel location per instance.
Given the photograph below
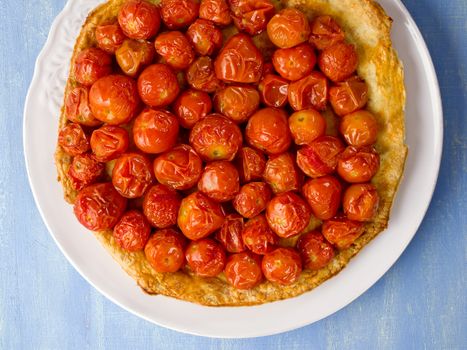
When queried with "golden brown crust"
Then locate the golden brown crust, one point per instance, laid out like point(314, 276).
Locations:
point(368, 27)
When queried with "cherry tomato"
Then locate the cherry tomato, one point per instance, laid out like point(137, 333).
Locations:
point(250, 164)
point(175, 49)
point(191, 106)
point(268, 131)
point(274, 90)
point(216, 11)
point(139, 19)
point(133, 55)
point(164, 250)
point(114, 99)
point(109, 37)
point(132, 175)
point(73, 140)
point(309, 92)
point(258, 236)
point(288, 28)
point(282, 266)
point(230, 234)
point(251, 16)
point(180, 168)
point(361, 202)
point(325, 32)
point(315, 251)
point(339, 61)
point(77, 107)
point(179, 13)
point(359, 128)
point(132, 231)
point(160, 205)
point(99, 206)
point(205, 257)
point(205, 37)
point(84, 170)
point(288, 214)
point(219, 181)
point(201, 76)
point(92, 64)
point(252, 199)
point(243, 270)
point(358, 165)
point(239, 61)
point(282, 173)
point(320, 157)
point(268, 68)
point(109, 142)
point(237, 102)
point(216, 138)
point(306, 126)
point(348, 96)
point(158, 85)
point(294, 63)
point(341, 231)
point(324, 196)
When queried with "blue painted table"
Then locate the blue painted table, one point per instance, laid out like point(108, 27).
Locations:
point(419, 304)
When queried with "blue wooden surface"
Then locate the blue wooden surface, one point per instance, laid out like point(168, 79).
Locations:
point(420, 303)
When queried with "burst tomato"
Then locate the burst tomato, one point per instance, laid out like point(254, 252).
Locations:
point(109, 37)
point(325, 32)
point(258, 236)
point(77, 107)
point(309, 92)
point(341, 231)
point(230, 234)
point(179, 13)
point(165, 250)
point(358, 165)
point(72, 139)
point(85, 170)
point(237, 102)
point(92, 64)
point(132, 231)
point(250, 164)
point(324, 196)
point(282, 266)
point(160, 206)
point(133, 55)
point(274, 90)
point(251, 16)
point(205, 37)
point(201, 75)
point(205, 257)
point(252, 199)
point(288, 28)
point(191, 106)
point(139, 19)
point(175, 49)
point(109, 142)
point(158, 85)
point(132, 175)
point(282, 173)
point(315, 251)
point(361, 202)
point(216, 11)
point(348, 96)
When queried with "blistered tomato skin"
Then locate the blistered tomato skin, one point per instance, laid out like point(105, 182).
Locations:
point(250, 164)
point(219, 181)
point(274, 90)
point(309, 92)
point(109, 142)
point(205, 257)
point(357, 165)
point(359, 128)
point(92, 64)
point(237, 102)
point(178, 14)
point(165, 250)
point(348, 96)
point(201, 76)
point(85, 170)
point(216, 11)
point(73, 140)
point(205, 37)
point(258, 236)
point(288, 28)
point(306, 126)
point(175, 49)
point(99, 207)
point(109, 37)
point(294, 63)
point(325, 32)
point(243, 270)
point(342, 232)
point(315, 251)
point(132, 175)
point(282, 266)
point(139, 19)
point(251, 16)
point(161, 205)
point(324, 196)
point(252, 199)
point(133, 55)
point(282, 174)
point(132, 231)
point(338, 62)
point(77, 107)
point(230, 234)
point(158, 85)
point(191, 106)
point(361, 202)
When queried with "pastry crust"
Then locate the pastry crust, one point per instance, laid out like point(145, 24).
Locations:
point(368, 27)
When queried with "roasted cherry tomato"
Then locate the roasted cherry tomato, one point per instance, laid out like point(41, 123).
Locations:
point(237, 102)
point(315, 251)
point(92, 64)
point(201, 75)
point(109, 142)
point(288, 28)
point(341, 231)
point(288, 214)
point(216, 11)
point(239, 61)
point(243, 270)
point(132, 175)
point(165, 250)
point(199, 216)
point(358, 165)
point(282, 265)
point(325, 32)
point(109, 37)
point(205, 257)
point(309, 92)
point(361, 202)
point(114, 99)
point(191, 106)
point(320, 157)
point(306, 126)
point(179, 13)
point(252, 199)
point(274, 90)
point(139, 19)
point(73, 140)
point(99, 206)
point(85, 170)
point(268, 68)
point(339, 61)
point(251, 16)
point(158, 85)
point(359, 128)
point(294, 63)
point(219, 181)
point(250, 164)
point(160, 205)
point(324, 196)
point(268, 131)
point(282, 173)
point(175, 49)
point(180, 168)
point(216, 138)
point(205, 37)
point(77, 107)
point(348, 96)
point(132, 231)
point(133, 55)
point(258, 236)
point(230, 234)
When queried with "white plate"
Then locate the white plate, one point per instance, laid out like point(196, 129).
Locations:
point(424, 138)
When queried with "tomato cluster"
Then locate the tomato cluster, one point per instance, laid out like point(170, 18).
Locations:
point(212, 178)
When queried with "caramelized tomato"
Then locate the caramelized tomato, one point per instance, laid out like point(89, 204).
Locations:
point(201, 76)
point(109, 37)
point(132, 231)
point(252, 199)
point(219, 181)
point(342, 232)
point(133, 55)
point(288, 28)
point(359, 128)
point(361, 202)
point(282, 173)
point(205, 257)
point(325, 32)
point(132, 175)
point(92, 64)
point(243, 270)
point(294, 63)
point(237, 102)
point(179, 13)
point(315, 251)
point(348, 96)
point(191, 106)
point(309, 92)
point(324, 196)
point(216, 11)
point(77, 107)
point(230, 234)
point(205, 37)
point(274, 90)
point(339, 61)
point(139, 19)
point(282, 266)
point(250, 164)
point(358, 165)
point(158, 85)
point(84, 170)
point(251, 16)
point(161, 205)
point(258, 236)
point(175, 49)
point(165, 250)
point(306, 126)
point(109, 142)
point(73, 140)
